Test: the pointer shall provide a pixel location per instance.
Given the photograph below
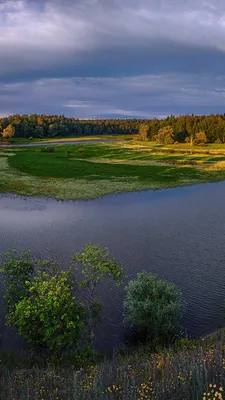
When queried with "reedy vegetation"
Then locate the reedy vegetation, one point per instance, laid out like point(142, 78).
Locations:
point(190, 370)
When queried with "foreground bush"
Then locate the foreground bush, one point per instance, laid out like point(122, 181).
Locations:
point(153, 305)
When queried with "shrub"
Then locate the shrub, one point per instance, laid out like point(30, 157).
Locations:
point(218, 141)
point(153, 305)
point(49, 149)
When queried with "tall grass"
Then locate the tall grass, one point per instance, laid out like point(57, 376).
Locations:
point(189, 370)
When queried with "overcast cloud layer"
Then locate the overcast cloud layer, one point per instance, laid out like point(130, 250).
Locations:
point(112, 58)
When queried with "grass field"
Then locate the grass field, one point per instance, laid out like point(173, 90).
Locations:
point(84, 171)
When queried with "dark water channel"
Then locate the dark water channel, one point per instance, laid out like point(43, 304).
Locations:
point(177, 233)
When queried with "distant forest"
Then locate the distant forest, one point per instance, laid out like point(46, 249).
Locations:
point(42, 126)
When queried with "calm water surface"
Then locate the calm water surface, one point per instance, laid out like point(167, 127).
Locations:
point(177, 233)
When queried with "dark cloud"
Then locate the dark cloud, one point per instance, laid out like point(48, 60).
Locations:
point(115, 49)
point(143, 96)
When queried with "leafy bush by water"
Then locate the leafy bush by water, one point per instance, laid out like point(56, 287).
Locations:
point(154, 305)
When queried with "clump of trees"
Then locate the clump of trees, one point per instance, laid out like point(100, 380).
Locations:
point(43, 126)
point(57, 311)
point(42, 302)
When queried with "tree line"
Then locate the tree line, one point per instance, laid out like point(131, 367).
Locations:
point(41, 126)
point(184, 127)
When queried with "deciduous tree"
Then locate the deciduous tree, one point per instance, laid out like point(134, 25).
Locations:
point(96, 265)
point(143, 132)
point(165, 135)
point(8, 132)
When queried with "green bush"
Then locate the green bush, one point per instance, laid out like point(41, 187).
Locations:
point(49, 318)
point(49, 149)
point(153, 305)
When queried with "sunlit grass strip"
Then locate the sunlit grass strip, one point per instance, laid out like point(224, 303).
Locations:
point(216, 166)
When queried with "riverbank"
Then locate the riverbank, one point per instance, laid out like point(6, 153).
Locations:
point(88, 171)
point(186, 371)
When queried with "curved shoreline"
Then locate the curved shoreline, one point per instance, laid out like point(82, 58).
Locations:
point(110, 194)
point(202, 185)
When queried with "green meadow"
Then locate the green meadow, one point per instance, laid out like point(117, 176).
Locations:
point(86, 171)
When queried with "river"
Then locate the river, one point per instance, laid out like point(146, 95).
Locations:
point(178, 234)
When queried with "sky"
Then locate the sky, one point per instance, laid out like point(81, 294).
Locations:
point(112, 58)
